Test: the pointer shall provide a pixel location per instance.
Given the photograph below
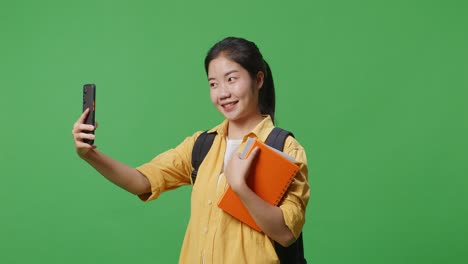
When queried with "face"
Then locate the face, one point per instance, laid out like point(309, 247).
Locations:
point(232, 90)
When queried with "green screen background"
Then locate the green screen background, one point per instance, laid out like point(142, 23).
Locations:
point(376, 92)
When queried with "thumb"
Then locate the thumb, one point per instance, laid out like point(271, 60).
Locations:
point(253, 155)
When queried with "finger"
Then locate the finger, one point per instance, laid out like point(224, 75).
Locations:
point(83, 116)
point(82, 127)
point(85, 127)
point(81, 136)
point(82, 145)
point(253, 155)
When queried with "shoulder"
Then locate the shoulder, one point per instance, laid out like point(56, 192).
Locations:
point(196, 134)
point(292, 143)
point(294, 148)
point(203, 135)
point(190, 140)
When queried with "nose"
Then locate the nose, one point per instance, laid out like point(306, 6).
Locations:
point(224, 92)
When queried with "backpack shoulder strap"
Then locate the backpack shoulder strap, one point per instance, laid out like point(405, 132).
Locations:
point(295, 252)
point(199, 151)
point(277, 138)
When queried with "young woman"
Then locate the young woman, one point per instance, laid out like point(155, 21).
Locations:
point(241, 88)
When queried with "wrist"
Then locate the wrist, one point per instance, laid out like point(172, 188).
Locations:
point(240, 189)
point(88, 155)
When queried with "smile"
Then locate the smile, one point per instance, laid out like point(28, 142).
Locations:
point(229, 106)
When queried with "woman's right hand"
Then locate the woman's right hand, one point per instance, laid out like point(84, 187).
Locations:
point(82, 148)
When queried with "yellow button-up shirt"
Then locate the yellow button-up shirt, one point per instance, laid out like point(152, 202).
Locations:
point(213, 236)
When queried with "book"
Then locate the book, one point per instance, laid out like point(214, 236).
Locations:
point(270, 176)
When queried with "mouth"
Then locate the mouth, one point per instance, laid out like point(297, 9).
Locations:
point(229, 106)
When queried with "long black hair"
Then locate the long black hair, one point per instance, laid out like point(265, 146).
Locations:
point(247, 54)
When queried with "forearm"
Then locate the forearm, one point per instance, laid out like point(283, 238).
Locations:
point(268, 217)
point(118, 173)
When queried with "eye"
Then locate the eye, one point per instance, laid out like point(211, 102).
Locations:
point(231, 79)
point(212, 85)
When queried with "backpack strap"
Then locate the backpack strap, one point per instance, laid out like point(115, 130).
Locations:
point(199, 151)
point(295, 252)
point(277, 138)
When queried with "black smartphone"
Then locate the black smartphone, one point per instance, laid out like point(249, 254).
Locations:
point(89, 101)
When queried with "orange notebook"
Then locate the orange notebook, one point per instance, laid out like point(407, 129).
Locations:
point(270, 176)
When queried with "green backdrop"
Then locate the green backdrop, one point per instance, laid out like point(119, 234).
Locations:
point(376, 91)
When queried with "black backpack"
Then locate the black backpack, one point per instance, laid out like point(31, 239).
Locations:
point(294, 254)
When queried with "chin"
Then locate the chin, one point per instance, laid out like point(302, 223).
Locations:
point(230, 116)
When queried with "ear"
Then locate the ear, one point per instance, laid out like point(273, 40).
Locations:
point(260, 78)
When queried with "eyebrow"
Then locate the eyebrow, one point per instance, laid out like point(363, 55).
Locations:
point(226, 74)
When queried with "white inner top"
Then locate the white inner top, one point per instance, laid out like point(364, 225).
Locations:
point(231, 148)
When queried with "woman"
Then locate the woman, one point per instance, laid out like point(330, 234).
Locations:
point(242, 89)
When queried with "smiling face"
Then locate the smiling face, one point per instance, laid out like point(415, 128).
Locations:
point(232, 90)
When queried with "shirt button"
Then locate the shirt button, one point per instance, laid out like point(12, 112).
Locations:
point(209, 202)
point(205, 230)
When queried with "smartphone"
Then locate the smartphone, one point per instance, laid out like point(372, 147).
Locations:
point(89, 101)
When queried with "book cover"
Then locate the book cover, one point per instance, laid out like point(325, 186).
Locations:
point(270, 176)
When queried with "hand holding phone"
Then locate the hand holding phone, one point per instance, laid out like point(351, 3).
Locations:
point(89, 101)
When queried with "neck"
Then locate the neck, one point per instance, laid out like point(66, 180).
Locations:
point(237, 129)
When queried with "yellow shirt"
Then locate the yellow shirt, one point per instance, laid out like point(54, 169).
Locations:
point(213, 236)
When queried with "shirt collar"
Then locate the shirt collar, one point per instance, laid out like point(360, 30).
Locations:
point(261, 130)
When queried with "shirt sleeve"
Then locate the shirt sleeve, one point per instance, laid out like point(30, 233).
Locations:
point(169, 170)
point(295, 201)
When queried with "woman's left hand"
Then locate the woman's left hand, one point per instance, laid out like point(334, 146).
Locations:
point(238, 169)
